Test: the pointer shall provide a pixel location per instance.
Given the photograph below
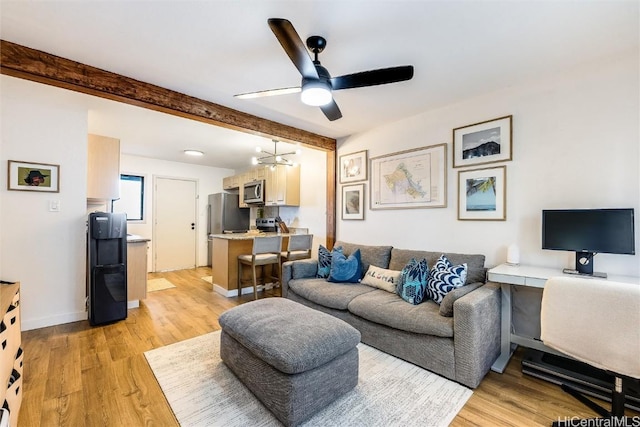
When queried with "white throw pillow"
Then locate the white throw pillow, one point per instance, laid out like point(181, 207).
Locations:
point(382, 278)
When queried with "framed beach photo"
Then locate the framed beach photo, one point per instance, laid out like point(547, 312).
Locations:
point(353, 201)
point(481, 143)
point(353, 167)
point(482, 194)
point(27, 176)
point(410, 179)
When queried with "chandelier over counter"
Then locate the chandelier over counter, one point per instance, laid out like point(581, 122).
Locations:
point(273, 159)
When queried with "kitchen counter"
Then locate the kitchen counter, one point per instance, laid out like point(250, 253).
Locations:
point(247, 236)
point(224, 259)
point(134, 238)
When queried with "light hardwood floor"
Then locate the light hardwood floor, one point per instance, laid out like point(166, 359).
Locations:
point(78, 375)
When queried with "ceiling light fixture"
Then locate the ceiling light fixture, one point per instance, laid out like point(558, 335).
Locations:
point(273, 159)
point(193, 153)
point(315, 92)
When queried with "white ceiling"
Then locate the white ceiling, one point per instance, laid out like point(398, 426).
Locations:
point(215, 49)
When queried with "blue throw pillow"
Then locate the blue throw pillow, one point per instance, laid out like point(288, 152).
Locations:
point(345, 270)
point(445, 277)
point(413, 281)
point(324, 261)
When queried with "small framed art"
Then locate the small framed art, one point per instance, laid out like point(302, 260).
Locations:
point(27, 176)
point(353, 167)
point(482, 194)
point(353, 201)
point(481, 143)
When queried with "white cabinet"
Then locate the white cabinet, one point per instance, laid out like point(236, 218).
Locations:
point(103, 168)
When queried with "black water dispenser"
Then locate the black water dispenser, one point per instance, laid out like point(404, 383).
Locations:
point(107, 267)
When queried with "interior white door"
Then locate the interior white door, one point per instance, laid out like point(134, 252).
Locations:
point(174, 225)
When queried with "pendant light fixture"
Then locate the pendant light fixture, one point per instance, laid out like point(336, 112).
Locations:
point(273, 159)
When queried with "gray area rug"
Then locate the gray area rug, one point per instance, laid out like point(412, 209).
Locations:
point(202, 391)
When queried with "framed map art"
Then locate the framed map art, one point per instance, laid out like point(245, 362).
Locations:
point(410, 179)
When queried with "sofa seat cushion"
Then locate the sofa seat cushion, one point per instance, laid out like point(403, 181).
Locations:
point(328, 294)
point(390, 310)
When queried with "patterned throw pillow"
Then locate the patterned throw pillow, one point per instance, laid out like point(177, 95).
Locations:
point(382, 278)
point(445, 277)
point(413, 281)
point(324, 261)
point(345, 270)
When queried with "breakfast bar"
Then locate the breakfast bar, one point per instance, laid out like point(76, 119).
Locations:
point(224, 259)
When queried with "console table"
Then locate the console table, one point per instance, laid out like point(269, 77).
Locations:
point(523, 275)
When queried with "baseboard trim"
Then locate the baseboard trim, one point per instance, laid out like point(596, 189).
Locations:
point(43, 322)
point(234, 292)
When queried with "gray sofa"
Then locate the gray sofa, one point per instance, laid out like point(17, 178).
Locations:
point(459, 339)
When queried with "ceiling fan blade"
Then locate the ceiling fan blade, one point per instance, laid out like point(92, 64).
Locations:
point(373, 77)
point(270, 92)
point(331, 110)
point(293, 46)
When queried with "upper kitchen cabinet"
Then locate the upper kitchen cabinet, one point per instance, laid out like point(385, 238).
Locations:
point(231, 182)
point(103, 168)
point(282, 186)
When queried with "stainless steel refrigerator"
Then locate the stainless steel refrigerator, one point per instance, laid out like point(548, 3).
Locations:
point(225, 216)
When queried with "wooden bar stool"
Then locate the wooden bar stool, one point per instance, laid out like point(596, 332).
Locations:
point(299, 247)
point(266, 250)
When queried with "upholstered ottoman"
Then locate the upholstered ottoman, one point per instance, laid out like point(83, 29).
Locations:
point(296, 360)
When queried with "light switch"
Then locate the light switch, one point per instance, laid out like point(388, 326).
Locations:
point(54, 205)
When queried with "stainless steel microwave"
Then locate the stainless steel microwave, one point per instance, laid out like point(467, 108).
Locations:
point(254, 192)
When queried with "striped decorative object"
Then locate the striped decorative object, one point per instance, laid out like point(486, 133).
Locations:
point(445, 277)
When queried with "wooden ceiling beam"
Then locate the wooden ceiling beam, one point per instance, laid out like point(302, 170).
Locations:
point(30, 64)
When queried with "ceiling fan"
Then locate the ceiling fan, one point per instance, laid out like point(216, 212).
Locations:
point(317, 84)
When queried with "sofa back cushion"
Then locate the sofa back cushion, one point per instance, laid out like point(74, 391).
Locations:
point(370, 255)
point(475, 263)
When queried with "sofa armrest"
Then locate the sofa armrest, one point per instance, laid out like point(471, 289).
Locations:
point(300, 269)
point(476, 333)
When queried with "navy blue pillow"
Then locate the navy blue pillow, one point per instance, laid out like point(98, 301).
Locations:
point(345, 270)
point(445, 277)
point(324, 261)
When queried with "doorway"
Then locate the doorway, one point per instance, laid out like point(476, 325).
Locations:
point(174, 223)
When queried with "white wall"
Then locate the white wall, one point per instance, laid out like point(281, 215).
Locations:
point(209, 181)
point(575, 145)
point(44, 250)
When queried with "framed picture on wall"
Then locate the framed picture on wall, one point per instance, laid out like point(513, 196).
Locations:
point(28, 176)
point(353, 201)
point(480, 143)
point(353, 167)
point(410, 179)
point(482, 194)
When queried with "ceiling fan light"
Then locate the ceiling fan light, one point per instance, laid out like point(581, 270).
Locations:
point(254, 161)
point(258, 149)
point(316, 93)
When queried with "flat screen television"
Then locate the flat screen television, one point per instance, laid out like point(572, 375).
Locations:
point(588, 232)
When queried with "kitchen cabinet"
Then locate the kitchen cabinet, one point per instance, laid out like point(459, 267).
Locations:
point(231, 182)
point(282, 186)
point(137, 269)
point(11, 354)
point(103, 168)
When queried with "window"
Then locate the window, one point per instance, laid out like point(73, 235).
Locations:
point(131, 199)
